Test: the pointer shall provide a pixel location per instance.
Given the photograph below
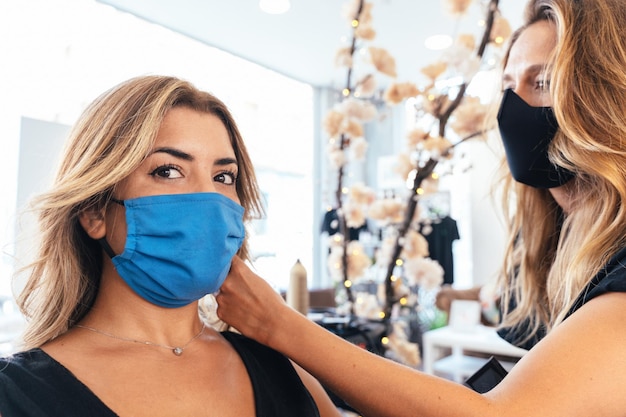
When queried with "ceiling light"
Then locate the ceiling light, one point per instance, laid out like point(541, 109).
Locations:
point(274, 6)
point(438, 42)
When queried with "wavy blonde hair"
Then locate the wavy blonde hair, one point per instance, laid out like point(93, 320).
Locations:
point(110, 140)
point(550, 257)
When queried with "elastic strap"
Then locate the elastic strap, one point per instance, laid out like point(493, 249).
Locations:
point(106, 247)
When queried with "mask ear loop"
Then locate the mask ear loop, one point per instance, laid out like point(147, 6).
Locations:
point(106, 247)
point(103, 241)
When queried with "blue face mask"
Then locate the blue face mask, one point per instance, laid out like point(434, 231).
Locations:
point(179, 247)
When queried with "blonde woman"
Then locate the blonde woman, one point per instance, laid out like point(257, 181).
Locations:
point(563, 124)
point(145, 215)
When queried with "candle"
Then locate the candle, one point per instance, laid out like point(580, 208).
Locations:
point(298, 291)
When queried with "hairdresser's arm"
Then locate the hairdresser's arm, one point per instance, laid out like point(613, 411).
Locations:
point(579, 370)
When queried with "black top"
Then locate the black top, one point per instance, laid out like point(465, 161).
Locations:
point(33, 384)
point(330, 225)
point(611, 278)
point(440, 239)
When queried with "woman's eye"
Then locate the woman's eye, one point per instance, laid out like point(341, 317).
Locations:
point(543, 84)
point(167, 171)
point(228, 178)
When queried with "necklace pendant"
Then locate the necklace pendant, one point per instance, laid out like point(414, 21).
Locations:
point(177, 351)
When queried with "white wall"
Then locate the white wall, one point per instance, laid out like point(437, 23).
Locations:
point(41, 144)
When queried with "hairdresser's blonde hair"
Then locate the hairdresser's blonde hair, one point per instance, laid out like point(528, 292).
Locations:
point(110, 140)
point(550, 257)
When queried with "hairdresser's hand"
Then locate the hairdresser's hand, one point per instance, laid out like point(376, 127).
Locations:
point(249, 304)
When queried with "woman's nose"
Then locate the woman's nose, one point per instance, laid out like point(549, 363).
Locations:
point(206, 186)
point(524, 95)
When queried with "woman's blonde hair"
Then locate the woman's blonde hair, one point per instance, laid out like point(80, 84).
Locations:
point(110, 140)
point(551, 256)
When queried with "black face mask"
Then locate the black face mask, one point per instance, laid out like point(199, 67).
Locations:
point(526, 133)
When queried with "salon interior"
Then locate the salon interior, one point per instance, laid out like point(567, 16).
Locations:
point(368, 126)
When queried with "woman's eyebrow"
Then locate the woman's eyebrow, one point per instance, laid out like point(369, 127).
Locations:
point(225, 161)
point(175, 153)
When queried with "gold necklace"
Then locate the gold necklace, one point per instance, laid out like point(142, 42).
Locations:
point(177, 350)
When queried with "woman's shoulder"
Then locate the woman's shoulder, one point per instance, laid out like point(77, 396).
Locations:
point(24, 362)
point(32, 383)
point(278, 389)
point(253, 352)
point(30, 370)
point(611, 278)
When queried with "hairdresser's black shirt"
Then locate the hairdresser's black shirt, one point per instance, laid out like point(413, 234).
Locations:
point(611, 278)
point(32, 384)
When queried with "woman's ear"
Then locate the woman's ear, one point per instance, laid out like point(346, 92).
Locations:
point(92, 221)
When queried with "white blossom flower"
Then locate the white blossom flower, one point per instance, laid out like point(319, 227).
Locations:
point(414, 245)
point(457, 7)
point(336, 157)
point(403, 350)
point(350, 9)
point(384, 252)
point(470, 116)
point(360, 110)
point(397, 92)
point(367, 305)
point(366, 86)
point(424, 272)
point(404, 165)
point(359, 193)
point(383, 61)
point(335, 263)
point(435, 104)
point(359, 147)
point(388, 210)
point(208, 310)
point(434, 70)
point(333, 122)
point(437, 146)
point(354, 214)
point(500, 31)
point(430, 185)
point(358, 261)
point(416, 136)
point(352, 128)
point(365, 32)
point(343, 57)
point(467, 40)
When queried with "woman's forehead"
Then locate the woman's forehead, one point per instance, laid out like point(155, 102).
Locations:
point(534, 45)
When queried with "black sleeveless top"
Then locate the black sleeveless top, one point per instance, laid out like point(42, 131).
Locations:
point(32, 384)
point(611, 278)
